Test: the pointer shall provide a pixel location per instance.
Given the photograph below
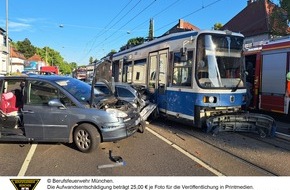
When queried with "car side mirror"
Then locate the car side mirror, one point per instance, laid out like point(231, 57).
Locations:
point(56, 103)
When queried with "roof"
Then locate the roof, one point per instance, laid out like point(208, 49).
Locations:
point(16, 54)
point(2, 30)
point(167, 38)
point(253, 19)
point(35, 57)
point(181, 26)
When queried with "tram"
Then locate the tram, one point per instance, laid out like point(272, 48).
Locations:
point(195, 77)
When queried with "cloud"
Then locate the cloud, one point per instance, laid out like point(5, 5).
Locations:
point(18, 26)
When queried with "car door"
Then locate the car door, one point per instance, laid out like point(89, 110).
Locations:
point(41, 121)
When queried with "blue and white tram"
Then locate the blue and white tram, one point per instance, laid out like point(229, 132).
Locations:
point(192, 75)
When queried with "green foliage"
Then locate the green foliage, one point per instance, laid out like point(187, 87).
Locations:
point(278, 19)
point(26, 48)
point(47, 54)
point(133, 42)
point(91, 60)
point(110, 53)
point(73, 65)
point(217, 26)
point(150, 35)
point(285, 4)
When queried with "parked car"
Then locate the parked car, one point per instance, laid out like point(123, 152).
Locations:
point(134, 94)
point(53, 108)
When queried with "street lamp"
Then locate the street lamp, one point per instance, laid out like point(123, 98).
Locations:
point(7, 41)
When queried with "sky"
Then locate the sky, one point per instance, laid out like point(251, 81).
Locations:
point(80, 29)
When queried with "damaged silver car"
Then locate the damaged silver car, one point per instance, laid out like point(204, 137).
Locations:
point(136, 95)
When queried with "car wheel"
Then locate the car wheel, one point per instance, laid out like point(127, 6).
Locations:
point(142, 126)
point(86, 138)
point(155, 114)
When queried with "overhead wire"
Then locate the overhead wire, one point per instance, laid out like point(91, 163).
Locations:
point(203, 7)
point(104, 31)
point(146, 21)
point(157, 14)
point(134, 17)
point(113, 24)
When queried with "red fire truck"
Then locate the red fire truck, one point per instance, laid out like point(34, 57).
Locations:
point(267, 65)
point(47, 70)
point(80, 73)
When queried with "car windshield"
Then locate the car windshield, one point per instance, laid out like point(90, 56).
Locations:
point(78, 89)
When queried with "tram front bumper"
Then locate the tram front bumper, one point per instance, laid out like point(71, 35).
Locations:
point(262, 124)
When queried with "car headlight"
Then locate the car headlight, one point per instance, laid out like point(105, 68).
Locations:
point(116, 113)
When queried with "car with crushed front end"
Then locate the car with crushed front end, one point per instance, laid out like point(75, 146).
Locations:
point(137, 95)
point(53, 108)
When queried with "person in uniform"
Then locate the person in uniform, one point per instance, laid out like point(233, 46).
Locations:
point(288, 84)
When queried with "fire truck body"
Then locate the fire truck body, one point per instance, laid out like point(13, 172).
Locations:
point(80, 73)
point(49, 69)
point(271, 62)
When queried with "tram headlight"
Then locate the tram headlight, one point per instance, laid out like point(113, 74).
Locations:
point(209, 99)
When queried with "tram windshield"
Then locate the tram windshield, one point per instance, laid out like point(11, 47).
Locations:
point(219, 61)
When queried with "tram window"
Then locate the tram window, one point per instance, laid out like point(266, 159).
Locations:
point(152, 71)
point(137, 75)
point(162, 68)
point(182, 70)
point(139, 71)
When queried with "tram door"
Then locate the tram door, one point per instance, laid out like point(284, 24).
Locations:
point(117, 70)
point(158, 62)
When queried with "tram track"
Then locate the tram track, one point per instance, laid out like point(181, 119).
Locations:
point(242, 149)
point(279, 141)
point(235, 156)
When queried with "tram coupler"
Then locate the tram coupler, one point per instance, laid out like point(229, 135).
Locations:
point(262, 124)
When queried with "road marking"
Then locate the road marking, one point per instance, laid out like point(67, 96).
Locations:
point(203, 164)
point(27, 160)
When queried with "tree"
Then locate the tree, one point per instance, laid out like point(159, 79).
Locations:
point(278, 19)
point(217, 26)
point(111, 53)
point(151, 32)
point(26, 48)
point(91, 60)
point(133, 42)
point(285, 4)
point(73, 65)
point(48, 54)
point(54, 58)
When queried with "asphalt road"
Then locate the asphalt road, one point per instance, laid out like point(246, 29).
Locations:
point(165, 149)
point(142, 154)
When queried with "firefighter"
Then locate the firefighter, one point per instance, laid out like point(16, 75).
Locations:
point(249, 82)
point(288, 84)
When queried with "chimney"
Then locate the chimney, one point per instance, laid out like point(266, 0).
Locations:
point(181, 23)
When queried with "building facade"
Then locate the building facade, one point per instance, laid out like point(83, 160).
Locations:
point(4, 55)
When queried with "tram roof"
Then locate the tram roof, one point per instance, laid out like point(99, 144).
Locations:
point(171, 37)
